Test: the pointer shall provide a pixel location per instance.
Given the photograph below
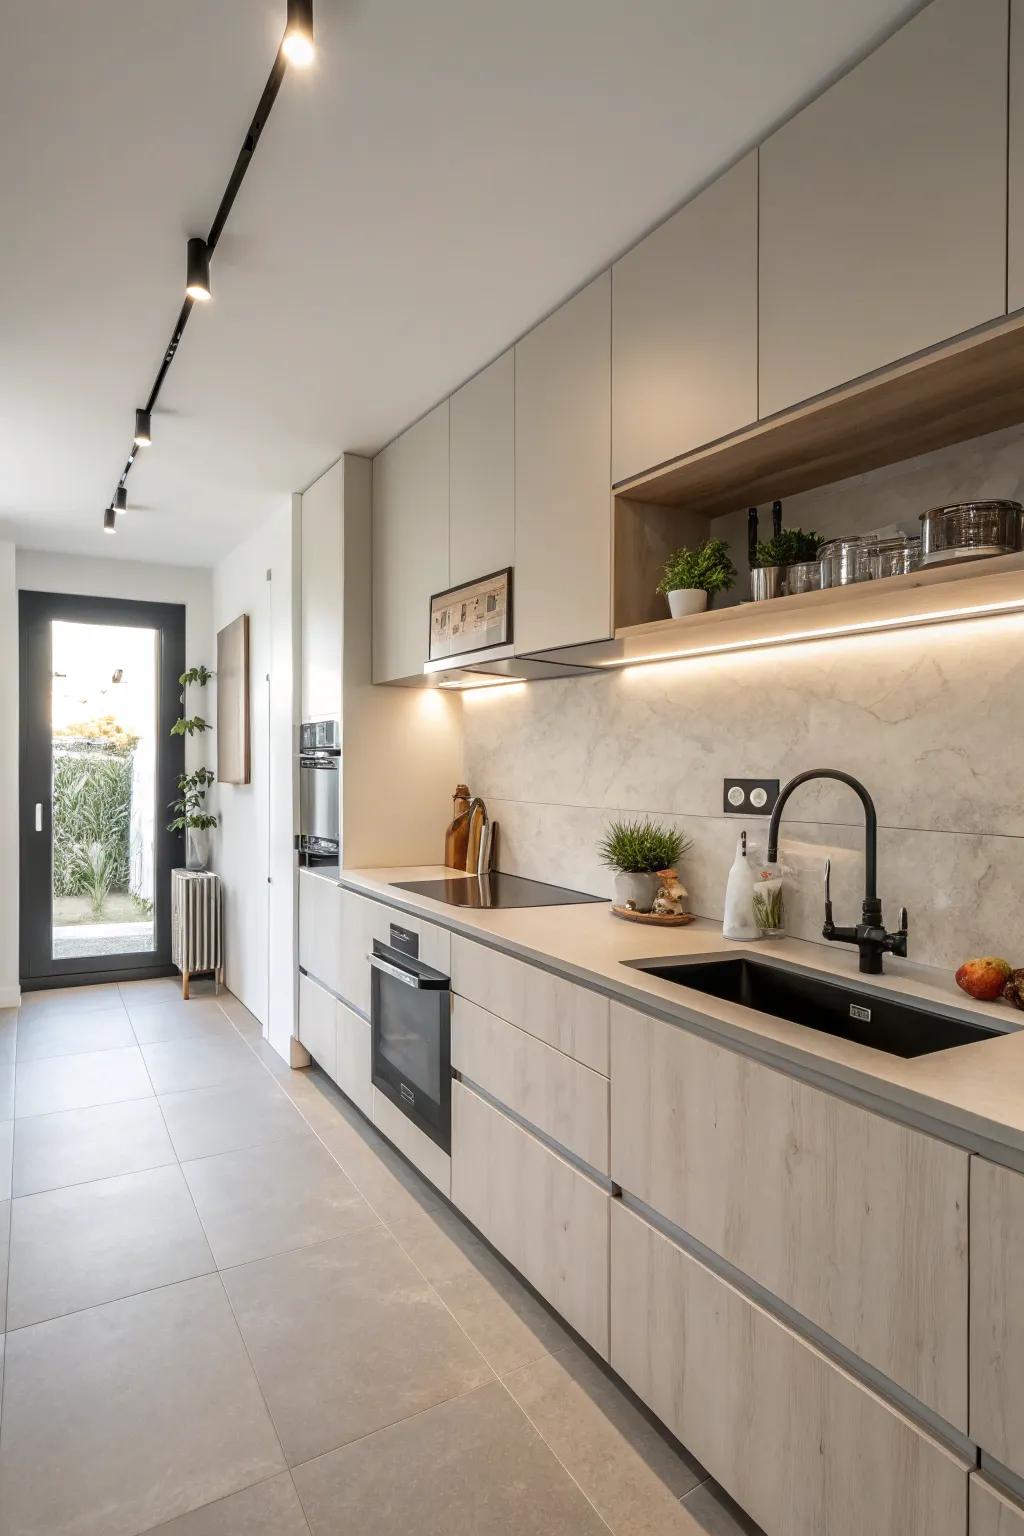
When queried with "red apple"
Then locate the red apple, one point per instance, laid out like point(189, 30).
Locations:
point(984, 978)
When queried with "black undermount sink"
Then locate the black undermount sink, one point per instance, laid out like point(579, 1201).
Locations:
point(832, 1007)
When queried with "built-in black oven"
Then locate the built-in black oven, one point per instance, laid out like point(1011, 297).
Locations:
point(410, 1019)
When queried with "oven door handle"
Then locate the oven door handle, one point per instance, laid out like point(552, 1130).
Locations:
point(407, 978)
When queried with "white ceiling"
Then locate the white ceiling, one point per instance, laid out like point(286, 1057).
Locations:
point(444, 176)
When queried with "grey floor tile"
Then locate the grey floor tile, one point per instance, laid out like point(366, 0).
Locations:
point(269, 1509)
point(473, 1465)
point(506, 1322)
point(229, 1116)
point(176, 1020)
point(104, 994)
point(632, 1475)
point(8, 1035)
point(347, 1337)
point(76, 1082)
point(80, 1145)
point(157, 989)
point(177, 1065)
point(130, 1414)
point(6, 1157)
point(716, 1514)
point(271, 1198)
point(44, 1033)
point(5, 1227)
point(6, 1092)
point(79, 1247)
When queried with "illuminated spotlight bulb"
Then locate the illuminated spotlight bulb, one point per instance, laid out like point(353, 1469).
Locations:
point(197, 281)
point(143, 429)
point(120, 499)
point(297, 44)
point(110, 521)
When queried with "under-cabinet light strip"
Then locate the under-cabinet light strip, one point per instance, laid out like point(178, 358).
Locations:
point(832, 632)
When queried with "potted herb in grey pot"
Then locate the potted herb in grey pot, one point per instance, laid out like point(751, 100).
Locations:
point(693, 575)
point(773, 557)
point(637, 850)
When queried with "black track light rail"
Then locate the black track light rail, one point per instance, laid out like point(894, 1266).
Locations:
point(220, 218)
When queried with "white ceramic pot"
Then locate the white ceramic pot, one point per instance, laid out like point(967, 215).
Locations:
point(197, 848)
point(640, 889)
point(687, 600)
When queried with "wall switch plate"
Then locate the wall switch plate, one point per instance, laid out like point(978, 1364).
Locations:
point(750, 797)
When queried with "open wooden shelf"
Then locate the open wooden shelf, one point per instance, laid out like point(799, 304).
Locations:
point(939, 594)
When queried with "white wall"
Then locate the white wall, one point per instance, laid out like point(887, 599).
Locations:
point(9, 988)
point(253, 845)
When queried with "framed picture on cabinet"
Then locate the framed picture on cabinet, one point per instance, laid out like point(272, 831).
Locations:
point(472, 617)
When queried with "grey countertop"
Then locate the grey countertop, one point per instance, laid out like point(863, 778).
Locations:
point(974, 1093)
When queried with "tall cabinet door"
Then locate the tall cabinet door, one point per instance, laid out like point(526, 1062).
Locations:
point(684, 328)
point(563, 475)
point(1015, 205)
point(883, 206)
point(484, 472)
point(321, 618)
point(410, 544)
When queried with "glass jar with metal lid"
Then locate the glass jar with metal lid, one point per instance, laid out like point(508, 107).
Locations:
point(845, 561)
point(895, 557)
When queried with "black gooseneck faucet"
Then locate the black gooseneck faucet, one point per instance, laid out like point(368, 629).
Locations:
point(869, 935)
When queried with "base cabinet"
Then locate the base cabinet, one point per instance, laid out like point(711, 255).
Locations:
point(319, 928)
point(548, 1219)
point(353, 1058)
point(317, 1024)
point(993, 1513)
point(997, 1312)
point(800, 1445)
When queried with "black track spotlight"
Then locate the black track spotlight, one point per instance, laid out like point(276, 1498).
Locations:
point(120, 502)
point(110, 521)
point(297, 45)
point(197, 281)
point(143, 429)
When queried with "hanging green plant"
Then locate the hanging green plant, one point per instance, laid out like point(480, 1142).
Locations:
point(190, 813)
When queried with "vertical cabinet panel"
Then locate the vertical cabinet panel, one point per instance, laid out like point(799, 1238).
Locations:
point(321, 586)
point(317, 1026)
point(797, 1442)
point(410, 544)
point(684, 328)
point(353, 1059)
point(883, 206)
point(320, 928)
point(857, 1222)
point(483, 473)
point(547, 1219)
point(1015, 204)
point(563, 463)
point(997, 1312)
point(992, 1513)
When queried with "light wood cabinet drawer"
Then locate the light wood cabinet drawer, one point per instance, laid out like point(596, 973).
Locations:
point(320, 928)
point(804, 1448)
point(557, 1011)
point(317, 1024)
point(858, 1223)
point(991, 1512)
point(563, 1098)
point(548, 1219)
point(424, 1154)
point(364, 920)
point(353, 1058)
point(997, 1312)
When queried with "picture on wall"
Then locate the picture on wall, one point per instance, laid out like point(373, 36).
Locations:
point(472, 617)
point(233, 754)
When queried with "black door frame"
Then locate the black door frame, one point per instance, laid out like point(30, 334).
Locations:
point(36, 610)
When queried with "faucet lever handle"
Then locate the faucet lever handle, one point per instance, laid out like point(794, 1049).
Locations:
point(903, 920)
point(828, 890)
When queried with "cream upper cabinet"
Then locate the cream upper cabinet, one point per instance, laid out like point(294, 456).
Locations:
point(997, 1312)
point(321, 588)
point(410, 544)
point(563, 475)
point(684, 328)
point(883, 206)
point(1015, 207)
point(483, 468)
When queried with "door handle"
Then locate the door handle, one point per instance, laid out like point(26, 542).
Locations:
point(39, 815)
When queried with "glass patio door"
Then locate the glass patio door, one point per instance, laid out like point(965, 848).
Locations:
point(98, 769)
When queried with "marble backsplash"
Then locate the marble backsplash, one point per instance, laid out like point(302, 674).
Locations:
point(930, 720)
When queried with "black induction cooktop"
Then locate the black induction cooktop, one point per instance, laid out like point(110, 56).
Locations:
point(496, 890)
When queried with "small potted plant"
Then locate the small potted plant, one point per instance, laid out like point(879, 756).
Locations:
point(693, 575)
point(773, 557)
point(637, 851)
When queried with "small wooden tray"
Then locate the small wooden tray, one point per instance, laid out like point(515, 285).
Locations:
point(656, 919)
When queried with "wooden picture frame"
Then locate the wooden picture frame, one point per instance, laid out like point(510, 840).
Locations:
point(474, 616)
point(234, 759)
